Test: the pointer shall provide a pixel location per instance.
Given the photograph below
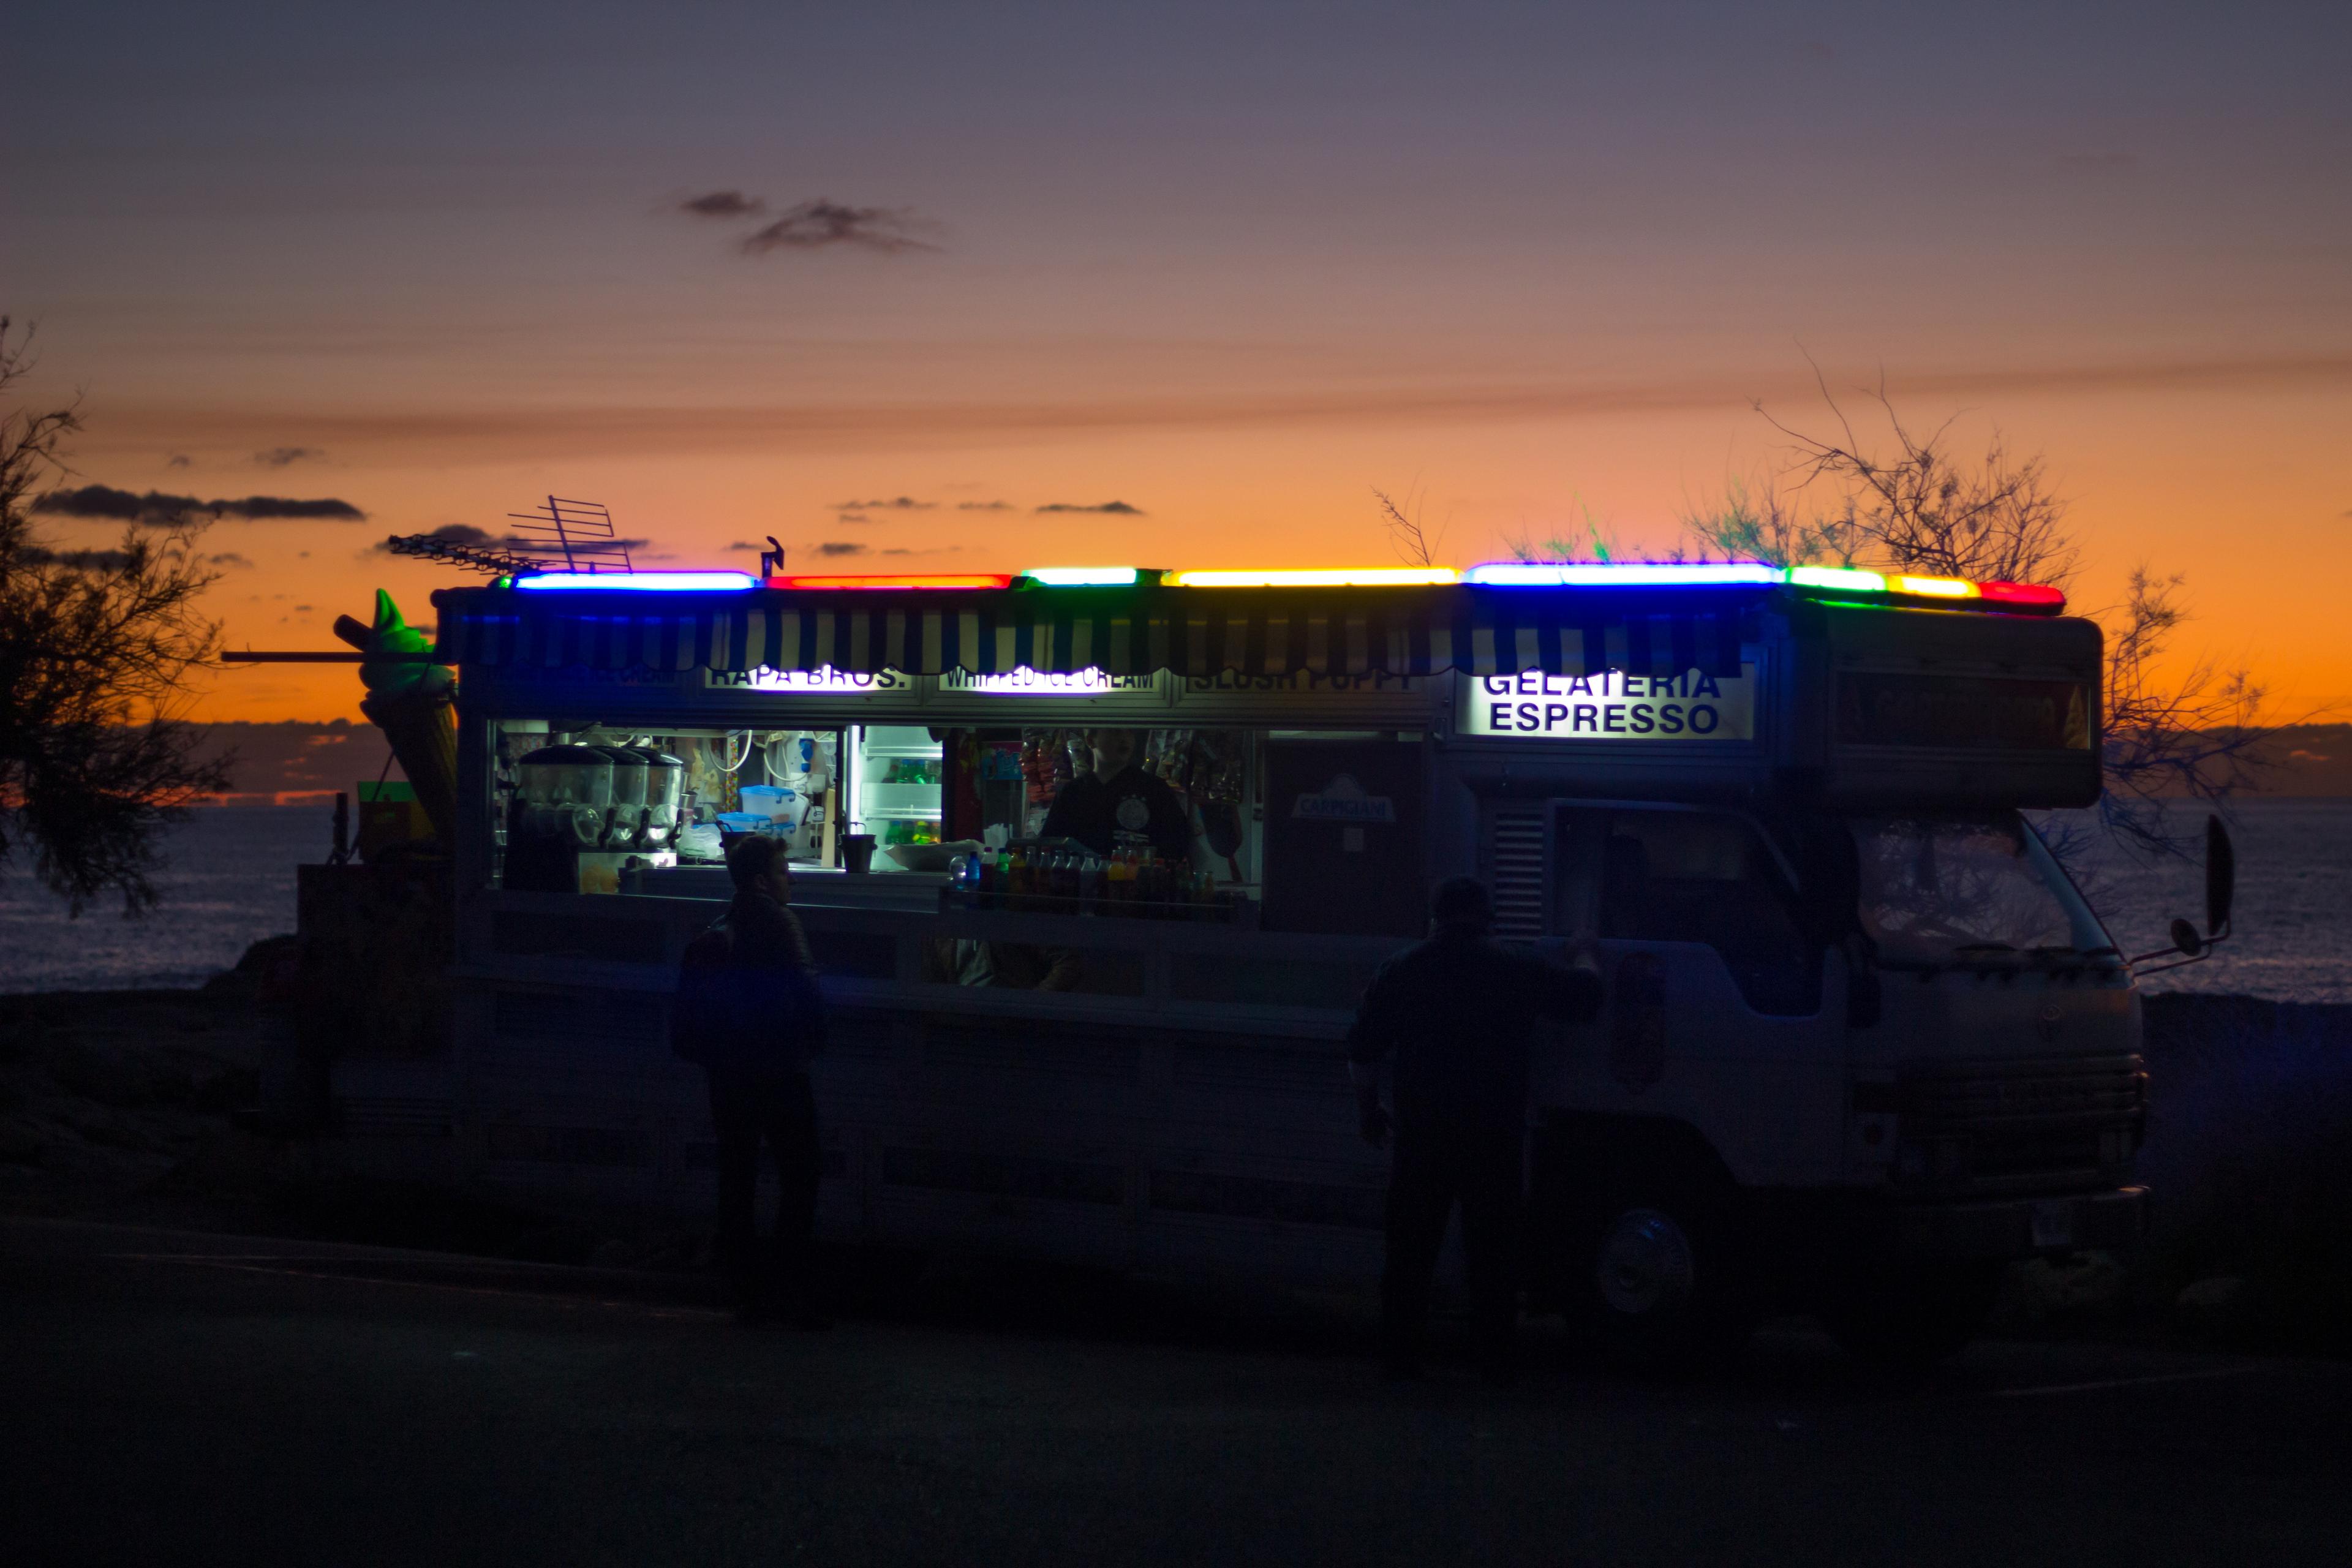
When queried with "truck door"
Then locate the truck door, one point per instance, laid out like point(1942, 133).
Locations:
point(1722, 1013)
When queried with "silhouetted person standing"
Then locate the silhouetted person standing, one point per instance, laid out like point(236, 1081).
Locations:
point(749, 1011)
point(1453, 1016)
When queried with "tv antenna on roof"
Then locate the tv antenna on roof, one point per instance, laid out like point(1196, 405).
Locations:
point(582, 530)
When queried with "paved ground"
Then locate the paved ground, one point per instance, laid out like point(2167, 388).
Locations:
point(169, 1397)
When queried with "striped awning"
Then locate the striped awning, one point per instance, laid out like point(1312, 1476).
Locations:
point(1139, 631)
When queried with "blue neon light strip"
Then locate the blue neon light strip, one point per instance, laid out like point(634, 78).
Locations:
point(639, 581)
point(1625, 574)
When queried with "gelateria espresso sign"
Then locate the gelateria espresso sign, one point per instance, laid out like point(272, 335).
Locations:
point(1610, 706)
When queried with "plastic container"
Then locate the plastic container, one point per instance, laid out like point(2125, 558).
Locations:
point(701, 841)
point(564, 793)
point(767, 800)
point(665, 790)
point(632, 776)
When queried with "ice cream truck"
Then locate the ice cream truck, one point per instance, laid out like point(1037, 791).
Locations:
point(1864, 1043)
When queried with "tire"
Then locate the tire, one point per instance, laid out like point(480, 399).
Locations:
point(1913, 1317)
point(1654, 1276)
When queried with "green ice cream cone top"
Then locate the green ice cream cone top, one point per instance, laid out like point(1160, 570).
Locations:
point(406, 677)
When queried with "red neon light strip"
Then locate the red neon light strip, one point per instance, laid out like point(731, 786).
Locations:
point(916, 580)
point(2024, 595)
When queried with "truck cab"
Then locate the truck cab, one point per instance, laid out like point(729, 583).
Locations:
point(1864, 1041)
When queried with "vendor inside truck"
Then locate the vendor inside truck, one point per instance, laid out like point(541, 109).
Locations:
point(1118, 805)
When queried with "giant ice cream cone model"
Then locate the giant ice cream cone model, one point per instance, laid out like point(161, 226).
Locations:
point(412, 702)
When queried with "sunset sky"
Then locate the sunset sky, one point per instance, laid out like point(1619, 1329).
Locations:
point(1229, 265)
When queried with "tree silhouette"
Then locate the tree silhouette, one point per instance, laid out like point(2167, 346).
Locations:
point(95, 648)
point(1913, 504)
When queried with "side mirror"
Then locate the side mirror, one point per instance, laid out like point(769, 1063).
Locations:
point(2185, 938)
point(2221, 876)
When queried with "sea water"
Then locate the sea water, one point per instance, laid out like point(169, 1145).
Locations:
point(227, 881)
point(230, 881)
point(2292, 940)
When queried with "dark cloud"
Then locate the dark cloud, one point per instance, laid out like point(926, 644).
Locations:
point(154, 506)
point(766, 428)
point(840, 547)
point(287, 457)
point(898, 550)
point(983, 506)
point(81, 560)
point(821, 225)
point(464, 533)
point(896, 503)
point(269, 507)
point(723, 203)
point(106, 501)
point(746, 544)
point(1108, 507)
point(230, 558)
point(853, 516)
point(179, 461)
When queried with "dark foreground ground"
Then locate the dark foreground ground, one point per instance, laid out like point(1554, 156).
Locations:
point(168, 1397)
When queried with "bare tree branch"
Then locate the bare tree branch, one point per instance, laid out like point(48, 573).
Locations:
point(96, 651)
point(1414, 544)
point(1917, 506)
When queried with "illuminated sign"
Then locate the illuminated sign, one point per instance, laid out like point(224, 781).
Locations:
point(1610, 705)
point(1226, 681)
point(1027, 682)
point(824, 680)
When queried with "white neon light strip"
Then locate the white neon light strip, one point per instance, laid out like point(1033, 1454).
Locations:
point(638, 582)
point(1083, 576)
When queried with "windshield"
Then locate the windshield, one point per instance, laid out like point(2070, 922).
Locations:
point(1956, 887)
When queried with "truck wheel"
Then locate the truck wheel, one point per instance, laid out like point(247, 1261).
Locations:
point(1660, 1284)
point(1914, 1317)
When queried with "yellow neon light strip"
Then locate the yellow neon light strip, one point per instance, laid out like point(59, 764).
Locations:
point(1934, 587)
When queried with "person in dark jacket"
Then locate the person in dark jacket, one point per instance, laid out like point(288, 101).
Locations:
point(1119, 805)
point(749, 1010)
point(1451, 1019)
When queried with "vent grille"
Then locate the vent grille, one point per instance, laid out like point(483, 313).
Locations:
point(1515, 871)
